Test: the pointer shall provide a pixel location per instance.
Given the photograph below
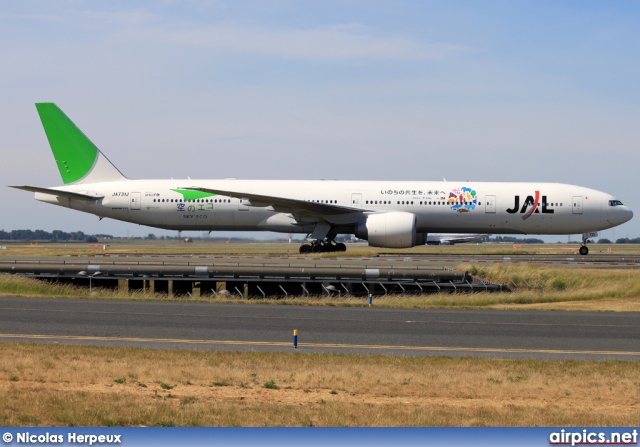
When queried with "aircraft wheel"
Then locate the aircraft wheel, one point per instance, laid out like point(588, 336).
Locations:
point(317, 248)
point(584, 250)
point(341, 247)
point(305, 249)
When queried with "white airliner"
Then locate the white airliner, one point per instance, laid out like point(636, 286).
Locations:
point(390, 214)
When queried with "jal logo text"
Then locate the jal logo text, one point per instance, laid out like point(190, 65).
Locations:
point(531, 205)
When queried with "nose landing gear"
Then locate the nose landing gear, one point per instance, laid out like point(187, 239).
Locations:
point(584, 250)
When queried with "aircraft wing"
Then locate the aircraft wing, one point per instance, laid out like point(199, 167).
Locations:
point(59, 193)
point(452, 238)
point(283, 204)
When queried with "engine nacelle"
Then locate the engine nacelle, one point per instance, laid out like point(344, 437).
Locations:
point(389, 230)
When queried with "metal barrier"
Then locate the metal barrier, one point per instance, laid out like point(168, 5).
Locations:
point(260, 280)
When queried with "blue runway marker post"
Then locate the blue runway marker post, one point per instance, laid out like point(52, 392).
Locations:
point(370, 299)
point(295, 338)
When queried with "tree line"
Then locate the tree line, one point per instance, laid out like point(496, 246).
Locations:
point(622, 240)
point(54, 236)
point(79, 236)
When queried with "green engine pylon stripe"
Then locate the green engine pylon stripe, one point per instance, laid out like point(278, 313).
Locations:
point(75, 154)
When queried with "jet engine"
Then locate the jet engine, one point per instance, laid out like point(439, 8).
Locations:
point(389, 230)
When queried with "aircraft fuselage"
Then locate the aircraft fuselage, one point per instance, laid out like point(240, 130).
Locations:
point(468, 207)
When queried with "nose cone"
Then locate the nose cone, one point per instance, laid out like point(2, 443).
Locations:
point(621, 215)
point(628, 215)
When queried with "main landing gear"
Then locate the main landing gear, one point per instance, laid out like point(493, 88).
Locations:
point(324, 246)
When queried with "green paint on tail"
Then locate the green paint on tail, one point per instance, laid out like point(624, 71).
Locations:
point(75, 154)
point(189, 194)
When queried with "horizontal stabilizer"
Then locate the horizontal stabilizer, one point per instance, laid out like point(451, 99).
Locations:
point(59, 193)
point(283, 203)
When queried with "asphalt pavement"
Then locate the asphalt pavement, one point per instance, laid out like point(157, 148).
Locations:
point(191, 325)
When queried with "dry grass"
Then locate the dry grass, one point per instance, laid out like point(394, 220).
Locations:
point(88, 386)
point(565, 288)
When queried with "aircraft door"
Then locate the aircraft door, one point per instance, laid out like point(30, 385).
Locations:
point(134, 202)
point(577, 205)
point(490, 204)
point(356, 200)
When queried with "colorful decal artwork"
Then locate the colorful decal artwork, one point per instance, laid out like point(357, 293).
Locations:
point(463, 199)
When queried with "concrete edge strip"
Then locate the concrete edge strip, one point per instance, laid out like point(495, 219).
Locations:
point(311, 345)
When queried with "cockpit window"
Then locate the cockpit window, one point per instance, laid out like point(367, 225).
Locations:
point(615, 203)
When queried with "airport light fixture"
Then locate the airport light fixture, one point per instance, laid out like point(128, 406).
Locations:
point(84, 274)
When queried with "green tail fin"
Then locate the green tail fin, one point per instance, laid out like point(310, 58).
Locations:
point(77, 157)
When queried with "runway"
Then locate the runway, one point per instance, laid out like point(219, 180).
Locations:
point(485, 333)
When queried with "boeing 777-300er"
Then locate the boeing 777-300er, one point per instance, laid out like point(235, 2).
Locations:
point(389, 214)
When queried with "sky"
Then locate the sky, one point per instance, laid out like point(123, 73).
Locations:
point(365, 90)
